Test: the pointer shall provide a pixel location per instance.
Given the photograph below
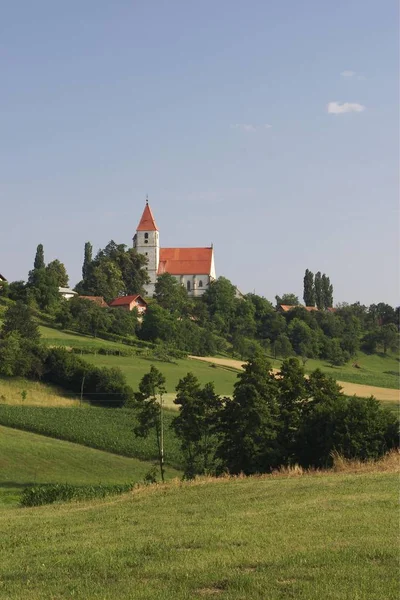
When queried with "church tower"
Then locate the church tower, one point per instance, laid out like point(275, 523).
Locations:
point(146, 241)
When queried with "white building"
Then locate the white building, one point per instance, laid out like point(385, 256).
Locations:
point(194, 268)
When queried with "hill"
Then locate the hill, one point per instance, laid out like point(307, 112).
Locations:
point(375, 370)
point(28, 458)
point(21, 391)
point(330, 536)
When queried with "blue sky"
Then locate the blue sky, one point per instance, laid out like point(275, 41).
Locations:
point(217, 110)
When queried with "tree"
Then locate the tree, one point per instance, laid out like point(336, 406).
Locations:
point(287, 299)
point(193, 425)
point(292, 394)
point(19, 318)
point(327, 292)
point(303, 339)
point(220, 301)
point(309, 291)
point(247, 424)
point(319, 293)
point(170, 294)
point(58, 271)
point(115, 271)
point(389, 337)
point(18, 290)
point(43, 288)
point(149, 403)
point(39, 258)
point(334, 353)
point(158, 324)
point(282, 346)
point(21, 356)
point(87, 260)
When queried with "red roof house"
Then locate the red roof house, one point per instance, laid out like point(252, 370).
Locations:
point(130, 302)
point(185, 261)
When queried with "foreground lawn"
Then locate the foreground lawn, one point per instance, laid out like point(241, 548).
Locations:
point(27, 459)
point(328, 536)
point(102, 428)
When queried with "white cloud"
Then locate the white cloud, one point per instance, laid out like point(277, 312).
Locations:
point(244, 127)
point(348, 73)
point(335, 108)
point(249, 128)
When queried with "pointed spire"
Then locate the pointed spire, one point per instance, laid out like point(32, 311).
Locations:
point(147, 222)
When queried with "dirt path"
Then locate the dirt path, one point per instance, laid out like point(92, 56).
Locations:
point(351, 389)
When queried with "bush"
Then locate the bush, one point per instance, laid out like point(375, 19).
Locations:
point(65, 492)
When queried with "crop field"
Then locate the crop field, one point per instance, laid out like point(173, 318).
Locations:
point(102, 428)
point(27, 459)
point(331, 536)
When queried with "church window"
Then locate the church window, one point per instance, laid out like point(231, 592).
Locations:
point(146, 238)
point(188, 286)
point(200, 283)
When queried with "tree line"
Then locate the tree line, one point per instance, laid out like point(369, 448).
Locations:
point(271, 421)
point(219, 321)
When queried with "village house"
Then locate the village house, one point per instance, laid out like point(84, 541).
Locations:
point(129, 303)
point(194, 268)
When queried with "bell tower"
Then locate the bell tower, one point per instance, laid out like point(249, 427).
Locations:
point(146, 241)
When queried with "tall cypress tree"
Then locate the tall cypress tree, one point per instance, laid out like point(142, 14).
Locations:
point(309, 291)
point(319, 296)
point(87, 259)
point(39, 258)
point(327, 291)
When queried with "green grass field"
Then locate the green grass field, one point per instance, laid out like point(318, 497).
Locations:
point(27, 459)
point(331, 536)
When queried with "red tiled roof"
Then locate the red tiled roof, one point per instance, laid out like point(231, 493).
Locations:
point(185, 261)
point(147, 222)
point(287, 307)
point(96, 299)
point(124, 300)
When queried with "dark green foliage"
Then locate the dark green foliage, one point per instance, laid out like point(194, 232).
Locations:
point(309, 291)
point(39, 258)
point(282, 346)
point(319, 294)
point(21, 357)
point(327, 291)
point(87, 260)
point(65, 492)
point(354, 427)
point(18, 291)
point(102, 428)
point(292, 395)
point(195, 423)
point(57, 270)
point(287, 299)
point(115, 271)
point(19, 318)
point(334, 353)
point(43, 288)
point(170, 294)
point(105, 386)
point(247, 424)
point(149, 410)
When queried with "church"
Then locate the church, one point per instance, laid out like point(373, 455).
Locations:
point(194, 268)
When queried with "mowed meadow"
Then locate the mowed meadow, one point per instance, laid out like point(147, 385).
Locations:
point(324, 535)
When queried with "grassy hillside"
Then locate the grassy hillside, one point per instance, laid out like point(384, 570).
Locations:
point(24, 392)
point(27, 459)
point(331, 536)
point(378, 369)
